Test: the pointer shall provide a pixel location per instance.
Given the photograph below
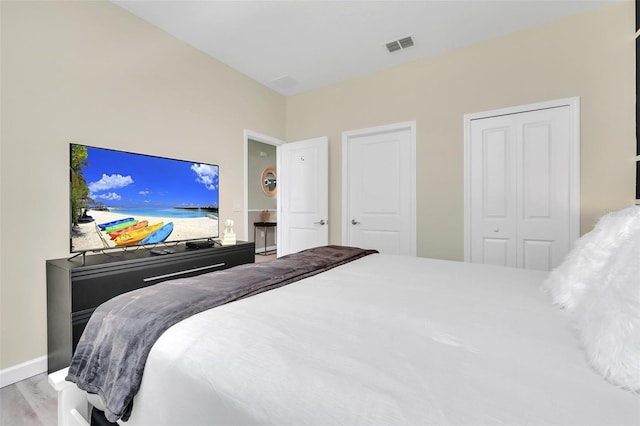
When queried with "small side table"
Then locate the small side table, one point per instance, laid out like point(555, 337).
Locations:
point(265, 226)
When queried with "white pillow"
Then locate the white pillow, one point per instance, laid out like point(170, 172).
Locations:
point(608, 315)
point(567, 282)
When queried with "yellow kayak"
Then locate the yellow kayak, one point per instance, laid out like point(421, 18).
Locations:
point(134, 237)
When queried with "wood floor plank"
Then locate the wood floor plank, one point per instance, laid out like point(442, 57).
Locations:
point(15, 410)
point(41, 398)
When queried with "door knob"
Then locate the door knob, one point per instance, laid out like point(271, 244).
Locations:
point(354, 222)
point(322, 222)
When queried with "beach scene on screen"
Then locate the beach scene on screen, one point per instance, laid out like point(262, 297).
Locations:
point(122, 199)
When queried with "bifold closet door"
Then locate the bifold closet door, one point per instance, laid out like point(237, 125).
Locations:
point(520, 188)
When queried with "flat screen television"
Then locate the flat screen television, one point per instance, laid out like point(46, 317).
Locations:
point(124, 199)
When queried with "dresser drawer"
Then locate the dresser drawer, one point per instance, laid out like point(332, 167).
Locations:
point(92, 288)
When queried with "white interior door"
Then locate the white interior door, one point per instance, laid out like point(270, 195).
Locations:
point(521, 188)
point(303, 195)
point(379, 189)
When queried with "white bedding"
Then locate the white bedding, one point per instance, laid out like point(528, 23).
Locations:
point(384, 340)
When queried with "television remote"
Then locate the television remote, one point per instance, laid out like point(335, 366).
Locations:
point(169, 251)
point(156, 251)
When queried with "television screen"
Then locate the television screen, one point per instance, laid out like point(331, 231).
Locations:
point(123, 199)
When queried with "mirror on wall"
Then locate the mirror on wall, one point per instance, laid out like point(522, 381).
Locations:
point(268, 181)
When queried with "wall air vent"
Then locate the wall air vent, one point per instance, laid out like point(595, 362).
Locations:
point(403, 43)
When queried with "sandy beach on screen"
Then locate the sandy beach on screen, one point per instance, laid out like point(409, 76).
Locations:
point(87, 236)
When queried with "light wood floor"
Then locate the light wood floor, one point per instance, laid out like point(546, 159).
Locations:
point(260, 258)
point(32, 402)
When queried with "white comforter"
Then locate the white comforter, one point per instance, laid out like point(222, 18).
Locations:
point(384, 340)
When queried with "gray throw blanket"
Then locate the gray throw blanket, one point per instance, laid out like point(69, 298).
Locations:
point(111, 354)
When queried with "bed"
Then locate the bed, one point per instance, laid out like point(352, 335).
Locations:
point(395, 340)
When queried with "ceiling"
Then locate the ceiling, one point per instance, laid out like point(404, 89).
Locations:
point(296, 46)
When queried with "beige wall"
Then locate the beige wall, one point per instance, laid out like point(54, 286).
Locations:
point(90, 72)
point(589, 55)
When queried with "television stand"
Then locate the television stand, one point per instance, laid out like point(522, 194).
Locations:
point(75, 290)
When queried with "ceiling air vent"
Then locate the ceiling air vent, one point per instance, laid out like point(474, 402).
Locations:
point(284, 82)
point(402, 43)
point(406, 42)
point(393, 46)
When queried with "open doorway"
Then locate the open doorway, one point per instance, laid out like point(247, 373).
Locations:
point(261, 185)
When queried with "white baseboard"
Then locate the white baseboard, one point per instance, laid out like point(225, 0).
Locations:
point(19, 372)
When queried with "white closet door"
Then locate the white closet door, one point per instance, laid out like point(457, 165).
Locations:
point(493, 191)
point(519, 186)
point(542, 165)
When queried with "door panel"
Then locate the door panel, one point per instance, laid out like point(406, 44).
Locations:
point(390, 240)
point(495, 251)
point(495, 170)
point(379, 189)
point(301, 239)
point(538, 254)
point(304, 183)
point(303, 195)
point(493, 202)
point(543, 174)
point(536, 171)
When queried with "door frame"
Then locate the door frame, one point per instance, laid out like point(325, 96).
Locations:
point(258, 137)
point(411, 126)
point(574, 161)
